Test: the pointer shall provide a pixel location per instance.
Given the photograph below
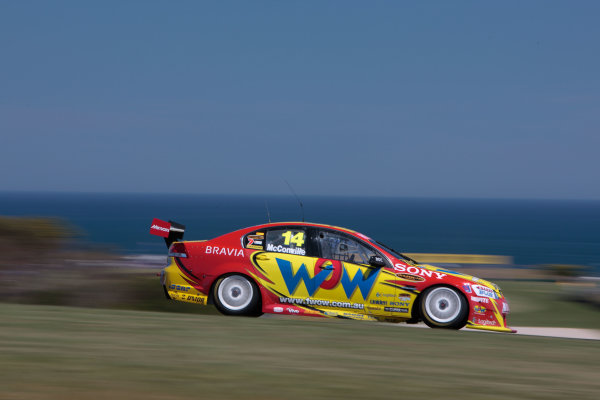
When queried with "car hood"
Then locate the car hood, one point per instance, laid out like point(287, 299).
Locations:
point(466, 277)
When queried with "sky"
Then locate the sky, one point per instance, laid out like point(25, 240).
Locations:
point(472, 99)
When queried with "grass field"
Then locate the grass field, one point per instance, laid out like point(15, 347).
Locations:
point(543, 304)
point(533, 303)
point(50, 352)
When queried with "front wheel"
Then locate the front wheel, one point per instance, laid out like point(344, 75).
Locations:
point(237, 295)
point(444, 307)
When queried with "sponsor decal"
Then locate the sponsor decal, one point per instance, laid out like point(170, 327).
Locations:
point(292, 311)
point(378, 294)
point(160, 228)
point(180, 288)
point(352, 315)
point(404, 297)
point(282, 249)
point(292, 281)
point(195, 299)
point(380, 302)
point(484, 291)
point(485, 322)
point(408, 277)
point(399, 267)
point(330, 265)
point(399, 303)
point(224, 251)
point(396, 309)
point(321, 303)
point(479, 309)
point(277, 309)
point(255, 240)
point(378, 259)
point(480, 299)
point(251, 246)
point(363, 281)
point(467, 288)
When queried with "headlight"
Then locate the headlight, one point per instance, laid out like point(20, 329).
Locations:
point(496, 287)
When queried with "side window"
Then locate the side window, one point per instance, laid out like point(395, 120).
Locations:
point(290, 241)
point(340, 247)
point(255, 240)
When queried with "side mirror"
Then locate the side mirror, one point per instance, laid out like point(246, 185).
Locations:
point(377, 261)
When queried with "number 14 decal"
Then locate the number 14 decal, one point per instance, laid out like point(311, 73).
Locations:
point(297, 239)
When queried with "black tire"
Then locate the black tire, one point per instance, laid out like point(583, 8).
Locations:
point(444, 307)
point(237, 295)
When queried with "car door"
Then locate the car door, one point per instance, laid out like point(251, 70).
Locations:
point(291, 268)
point(288, 267)
point(353, 285)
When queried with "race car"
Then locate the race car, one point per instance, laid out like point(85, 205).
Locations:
point(309, 269)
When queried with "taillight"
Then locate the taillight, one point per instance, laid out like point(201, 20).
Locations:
point(178, 250)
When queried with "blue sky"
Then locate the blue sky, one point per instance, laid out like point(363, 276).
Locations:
point(427, 99)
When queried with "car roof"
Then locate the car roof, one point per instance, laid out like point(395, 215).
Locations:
point(311, 224)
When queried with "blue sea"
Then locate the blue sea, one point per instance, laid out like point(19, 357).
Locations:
point(532, 231)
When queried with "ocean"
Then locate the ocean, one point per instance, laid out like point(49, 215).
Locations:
point(531, 231)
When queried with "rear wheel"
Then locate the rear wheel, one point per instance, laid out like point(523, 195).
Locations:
point(237, 295)
point(444, 307)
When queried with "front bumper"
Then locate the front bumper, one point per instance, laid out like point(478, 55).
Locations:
point(489, 314)
point(504, 329)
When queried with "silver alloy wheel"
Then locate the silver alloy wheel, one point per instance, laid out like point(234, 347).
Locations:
point(443, 305)
point(235, 292)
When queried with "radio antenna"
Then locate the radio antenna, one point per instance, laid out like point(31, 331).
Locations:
point(296, 196)
point(268, 213)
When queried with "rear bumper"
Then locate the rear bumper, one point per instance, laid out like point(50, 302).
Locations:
point(178, 287)
point(162, 281)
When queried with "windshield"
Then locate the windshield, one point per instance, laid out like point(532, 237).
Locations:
point(395, 253)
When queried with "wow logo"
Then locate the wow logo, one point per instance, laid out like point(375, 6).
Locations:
point(293, 280)
point(363, 281)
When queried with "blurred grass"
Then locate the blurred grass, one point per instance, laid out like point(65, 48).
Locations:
point(49, 352)
point(532, 303)
point(544, 304)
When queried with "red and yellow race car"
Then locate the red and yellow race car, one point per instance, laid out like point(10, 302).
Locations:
point(298, 268)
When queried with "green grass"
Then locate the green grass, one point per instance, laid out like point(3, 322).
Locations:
point(49, 352)
point(532, 303)
point(543, 304)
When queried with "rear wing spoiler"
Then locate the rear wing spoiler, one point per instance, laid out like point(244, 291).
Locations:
point(171, 231)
